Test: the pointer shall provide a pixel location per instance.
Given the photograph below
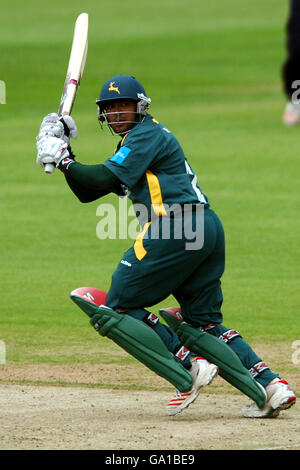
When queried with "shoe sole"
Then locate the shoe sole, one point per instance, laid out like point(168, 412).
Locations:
point(206, 379)
point(274, 410)
point(283, 406)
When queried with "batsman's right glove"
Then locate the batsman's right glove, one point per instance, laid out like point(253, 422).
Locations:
point(54, 126)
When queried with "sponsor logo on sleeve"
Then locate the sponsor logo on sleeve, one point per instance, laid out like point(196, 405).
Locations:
point(120, 156)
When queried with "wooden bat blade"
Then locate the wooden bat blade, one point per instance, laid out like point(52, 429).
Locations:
point(76, 64)
point(75, 70)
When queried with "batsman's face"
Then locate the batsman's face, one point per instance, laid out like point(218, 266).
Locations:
point(121, 115)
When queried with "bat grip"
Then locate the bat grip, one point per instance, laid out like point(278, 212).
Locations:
point(49, 168)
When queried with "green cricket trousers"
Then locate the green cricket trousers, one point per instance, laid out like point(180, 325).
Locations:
point(166, 260)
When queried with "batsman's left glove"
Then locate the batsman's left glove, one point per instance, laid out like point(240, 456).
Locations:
point(53, 150)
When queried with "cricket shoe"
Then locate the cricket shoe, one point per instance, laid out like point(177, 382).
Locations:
point(279, 397)
point(291, 115)
point(203, 372)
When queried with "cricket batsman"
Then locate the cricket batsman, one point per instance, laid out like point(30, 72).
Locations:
point(150, 167)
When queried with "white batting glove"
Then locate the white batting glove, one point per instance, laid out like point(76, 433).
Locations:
point(51, 150)
point(55, 126)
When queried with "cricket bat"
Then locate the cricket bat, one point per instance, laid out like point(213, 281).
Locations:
point(74, 71)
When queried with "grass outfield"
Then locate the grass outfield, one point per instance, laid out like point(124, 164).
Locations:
point(212, 70)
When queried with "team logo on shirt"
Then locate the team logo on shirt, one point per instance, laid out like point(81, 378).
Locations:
point(113, 88)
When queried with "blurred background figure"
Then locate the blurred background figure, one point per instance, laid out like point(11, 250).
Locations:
point(291, 66)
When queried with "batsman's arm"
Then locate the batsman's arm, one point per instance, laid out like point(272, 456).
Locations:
point(83, 194)
point(90, 182)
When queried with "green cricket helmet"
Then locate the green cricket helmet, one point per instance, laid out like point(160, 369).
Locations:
point(122, 87)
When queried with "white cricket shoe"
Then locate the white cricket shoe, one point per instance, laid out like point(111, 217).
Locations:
point(291, 115)
point(203, 373)
point(279, 397)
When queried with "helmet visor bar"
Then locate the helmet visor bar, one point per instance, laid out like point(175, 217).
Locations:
point(115, 120)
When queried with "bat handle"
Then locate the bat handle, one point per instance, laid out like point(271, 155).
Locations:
point(49, 168)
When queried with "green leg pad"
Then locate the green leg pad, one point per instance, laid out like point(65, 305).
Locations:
point(139, 340)
point(219, 353)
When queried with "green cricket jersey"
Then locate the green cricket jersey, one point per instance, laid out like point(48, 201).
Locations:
point(151, 164)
